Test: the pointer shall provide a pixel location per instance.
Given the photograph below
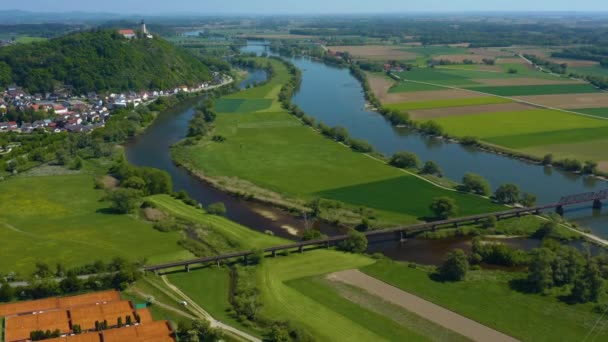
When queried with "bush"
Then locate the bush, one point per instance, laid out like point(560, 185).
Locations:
point(218, 209)
point(476, 184)
point(548, 159)
point(312, 234)
point(431, 168)
point(431, 128)
point(124, 201)
point(355, 243)
point(507, 193)
point(490, 222)
point(405, 160)
point(444, 207)
point(360, 145)
point(455, 266)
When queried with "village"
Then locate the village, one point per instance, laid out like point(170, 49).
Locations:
point(64, 111)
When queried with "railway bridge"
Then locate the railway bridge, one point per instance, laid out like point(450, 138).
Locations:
point(399, 232)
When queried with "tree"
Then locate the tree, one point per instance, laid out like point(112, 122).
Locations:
point(134, 183)
point(43, 270)
point(490, 222)
point(278, 334)
point(548, 159)
point(431, 128)
point(546, 229)
point(119, 322)
point(256, 257)
point(444, 207)
point(218, 209)
point(76, 164)
point(70, 284)
point(355, 243)
point(589, 285)
point(405, 160)
point(455, 266)
point(7, 292)
point(123, 201)
point(507, 193)
point(527, 200)
point(339, 134)
point(476, 184)
point(312, 234)
point(590, 167)
point(431, 168)
point(540, 270)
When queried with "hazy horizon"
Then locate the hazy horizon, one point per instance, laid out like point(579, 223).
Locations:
point(194, 7)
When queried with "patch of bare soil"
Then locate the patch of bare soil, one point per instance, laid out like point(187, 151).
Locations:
point(521, 81)
point(489, 52)
point(603, 165)
point(109, 182)
point(380, 86)
point(423, 308)
point(568, 101)
point(154, 215)
point(375, 52)
point(468, 110)
point(428, 95)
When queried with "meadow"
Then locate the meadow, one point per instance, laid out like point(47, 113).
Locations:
point(272, 149)
point(485, 296)
point(61, 219)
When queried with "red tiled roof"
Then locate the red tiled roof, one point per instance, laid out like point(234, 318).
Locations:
point(126, 31)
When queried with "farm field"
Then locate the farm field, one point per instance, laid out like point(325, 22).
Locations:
point(589, 70)
point(376, 52)
point(544, 89)
point(462, 102)
point(65, 222)
point(271, 149)
point(485, 296)
point(509, 114)
point(601, 112)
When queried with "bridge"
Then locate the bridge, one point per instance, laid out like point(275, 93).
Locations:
point(400, 233)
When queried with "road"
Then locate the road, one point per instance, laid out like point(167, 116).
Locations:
point(421, 307)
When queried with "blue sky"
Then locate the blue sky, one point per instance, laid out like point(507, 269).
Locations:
point(301, 6)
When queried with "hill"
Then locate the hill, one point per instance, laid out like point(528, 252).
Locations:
point(99, 60)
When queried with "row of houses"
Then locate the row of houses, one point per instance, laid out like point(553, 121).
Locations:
point(82, 113)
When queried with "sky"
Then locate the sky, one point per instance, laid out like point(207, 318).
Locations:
point(300, 6)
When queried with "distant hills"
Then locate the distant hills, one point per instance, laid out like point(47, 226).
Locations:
point(99, 61)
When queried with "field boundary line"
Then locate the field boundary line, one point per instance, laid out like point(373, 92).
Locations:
point(507, 98)
point(204, 314)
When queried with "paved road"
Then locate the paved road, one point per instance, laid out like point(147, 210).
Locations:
point(421, 307)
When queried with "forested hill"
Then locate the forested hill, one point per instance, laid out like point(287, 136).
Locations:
point(99, 61)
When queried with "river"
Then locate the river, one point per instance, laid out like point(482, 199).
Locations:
point(332, 95)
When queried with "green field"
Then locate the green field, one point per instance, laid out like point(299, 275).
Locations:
point(272, 149)
point(601, 112)
point(404, 87)
point(435, 50)
point(485, 296)
point(509, 128)
point(597, 70)
point(61, 219)
point(474, 101)
point(241, 105)
point(544, 89)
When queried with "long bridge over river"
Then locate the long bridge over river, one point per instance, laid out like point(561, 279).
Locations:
point(400, 233)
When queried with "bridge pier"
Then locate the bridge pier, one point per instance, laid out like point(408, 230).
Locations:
point(218, 263)
point(301, 249)
point(597, 204)
point(560, 210)
point(245, 259)
point(327, 244)
point(274, 254)
point(456, 224)
point(187, 267)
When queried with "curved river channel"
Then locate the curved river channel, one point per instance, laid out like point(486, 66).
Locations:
point(334, 96)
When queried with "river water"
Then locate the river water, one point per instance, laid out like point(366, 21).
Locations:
point(333, 96)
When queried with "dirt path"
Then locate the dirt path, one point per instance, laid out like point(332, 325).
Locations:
point(421, 307)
